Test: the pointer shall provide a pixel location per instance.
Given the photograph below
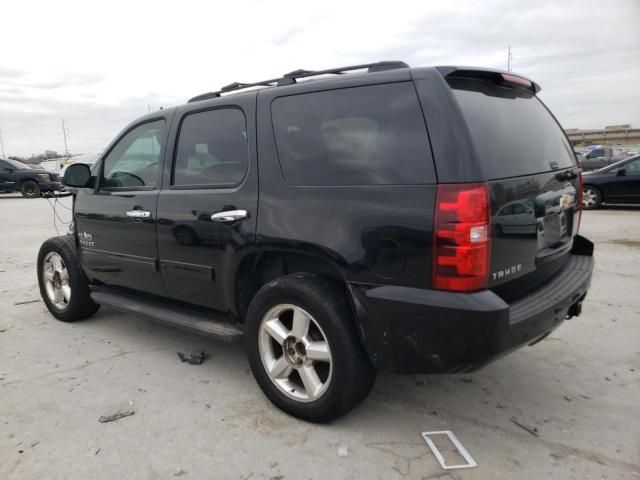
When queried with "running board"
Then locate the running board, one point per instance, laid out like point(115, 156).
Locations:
point(210, 325)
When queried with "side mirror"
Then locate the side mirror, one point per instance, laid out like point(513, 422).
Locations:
point(621, 172)
point(77, 175)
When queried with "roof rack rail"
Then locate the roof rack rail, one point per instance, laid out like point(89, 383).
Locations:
point(289, 78)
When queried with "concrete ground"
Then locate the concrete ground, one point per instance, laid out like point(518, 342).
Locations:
point(578, 391)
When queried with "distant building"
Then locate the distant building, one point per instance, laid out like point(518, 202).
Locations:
point(610, 135)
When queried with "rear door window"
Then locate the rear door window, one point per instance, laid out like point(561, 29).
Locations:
point(512, 132)
point(371, 135)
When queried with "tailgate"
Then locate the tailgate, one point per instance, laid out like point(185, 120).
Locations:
point(534, 220)
point(532, 174)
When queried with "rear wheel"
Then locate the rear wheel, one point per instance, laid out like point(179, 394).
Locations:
point(63, 286)
point(591, 197)
point(303, 348)
point(30, 189)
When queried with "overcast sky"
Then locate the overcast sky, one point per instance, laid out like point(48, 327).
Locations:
point(101, 64)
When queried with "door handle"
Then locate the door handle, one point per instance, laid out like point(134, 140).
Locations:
point(229, 216)
point(138, 214)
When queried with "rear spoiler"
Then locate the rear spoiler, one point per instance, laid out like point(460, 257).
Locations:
point(498, 77)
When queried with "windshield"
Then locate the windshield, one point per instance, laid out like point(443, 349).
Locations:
point(17, 164)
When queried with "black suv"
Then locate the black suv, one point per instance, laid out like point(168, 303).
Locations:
point(29, 181)
point(419, 220)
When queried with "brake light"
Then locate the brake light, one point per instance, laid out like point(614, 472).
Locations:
point(461, 239)
point(515, 79)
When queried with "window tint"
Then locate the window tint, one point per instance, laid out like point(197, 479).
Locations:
point(135, 160)
point(512, 131)
point(373, 135)
point(633, 168)
point(212, 148)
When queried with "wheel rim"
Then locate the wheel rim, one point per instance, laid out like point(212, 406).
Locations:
point(29, 190)
point(56, 281)
point(295, 353)
point(589, 197)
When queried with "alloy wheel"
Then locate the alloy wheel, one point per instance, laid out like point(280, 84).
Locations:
point(56, 281)
point(295, 353)
point(589, 198)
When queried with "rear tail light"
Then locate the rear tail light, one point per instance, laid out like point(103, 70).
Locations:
point(462, 239)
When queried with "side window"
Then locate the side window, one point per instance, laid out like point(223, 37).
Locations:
point(633, 168)
point(135, 160)
point(212, 149)
point(371, 135)
point(598, 152)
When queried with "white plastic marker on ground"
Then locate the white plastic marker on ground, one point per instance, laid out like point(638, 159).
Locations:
point(463, 451)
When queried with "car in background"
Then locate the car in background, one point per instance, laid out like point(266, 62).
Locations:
point(16, 176)
point(601, 157)
point(617, 183)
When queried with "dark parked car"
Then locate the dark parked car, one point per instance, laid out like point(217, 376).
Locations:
point(617, 183)
point(16, 176)
point(342, 225)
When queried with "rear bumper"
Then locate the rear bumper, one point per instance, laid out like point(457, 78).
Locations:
point(414, 330)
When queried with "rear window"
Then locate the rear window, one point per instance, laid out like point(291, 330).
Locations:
point(512, 131)
point(372, 135)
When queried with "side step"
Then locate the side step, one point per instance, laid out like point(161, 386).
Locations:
point(195, 322)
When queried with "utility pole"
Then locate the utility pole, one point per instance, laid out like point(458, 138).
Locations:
point(509, 58)
point(64, 135)
point(2, 145)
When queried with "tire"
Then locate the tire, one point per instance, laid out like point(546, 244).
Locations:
point(63, 287)
point(498, 230)
point(30, 189)
point(591, 197)
point(346, 378)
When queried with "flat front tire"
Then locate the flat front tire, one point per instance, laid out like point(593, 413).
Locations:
point(304, 350)
point(63, 285)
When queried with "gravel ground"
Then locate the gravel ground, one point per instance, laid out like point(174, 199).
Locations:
point(579, 389)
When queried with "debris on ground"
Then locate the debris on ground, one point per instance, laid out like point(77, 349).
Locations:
point(97, 451)
point(35, 443)
point(24, 302)
point(116, 416)
point(531, 430)
point(194, 358)
point(179, 473)
point(567, 398)
point(343, 451)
